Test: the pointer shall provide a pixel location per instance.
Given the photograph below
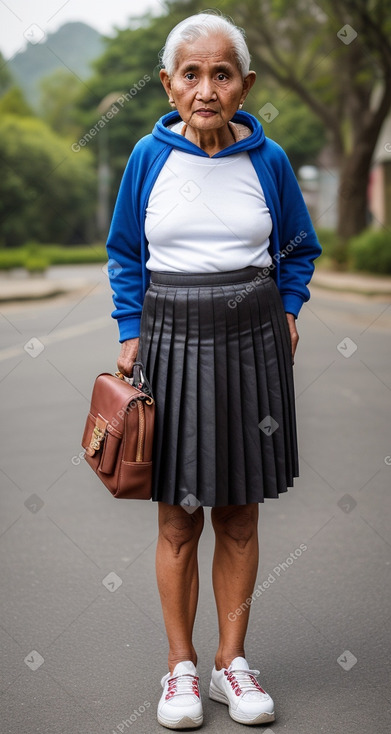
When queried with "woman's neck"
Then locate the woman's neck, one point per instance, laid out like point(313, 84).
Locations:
point(211, 141)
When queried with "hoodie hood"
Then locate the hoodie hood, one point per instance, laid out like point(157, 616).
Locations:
point(162, 132)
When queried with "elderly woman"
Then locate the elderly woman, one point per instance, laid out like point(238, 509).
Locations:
point(213, 249)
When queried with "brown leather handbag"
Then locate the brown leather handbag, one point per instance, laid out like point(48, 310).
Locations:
point(118, 434)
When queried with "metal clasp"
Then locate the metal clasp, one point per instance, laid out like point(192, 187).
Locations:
point(96, 438)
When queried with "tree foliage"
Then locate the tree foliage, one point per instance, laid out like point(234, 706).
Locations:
point(47, 192)
point(6, 79)
point(13, 102)
point(129, 68)
point(59, 93)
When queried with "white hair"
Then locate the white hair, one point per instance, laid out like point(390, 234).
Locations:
point(203, 25)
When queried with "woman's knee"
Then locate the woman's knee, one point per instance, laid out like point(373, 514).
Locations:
point(239, 523)
point(179, 527)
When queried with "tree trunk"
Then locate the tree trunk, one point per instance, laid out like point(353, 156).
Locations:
point(352, 192)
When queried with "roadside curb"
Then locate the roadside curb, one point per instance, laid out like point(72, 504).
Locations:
point(18, 291)
point(363, 285)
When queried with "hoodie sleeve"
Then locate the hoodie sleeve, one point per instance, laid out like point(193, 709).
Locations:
point(299, 245)
point(124, 252)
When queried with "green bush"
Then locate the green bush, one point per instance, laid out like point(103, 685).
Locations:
point(77, 255)
point(47, 191)
point(36, 263)
point(12, 258)
point(334, 249)
point(30, 255)
point(371, 251)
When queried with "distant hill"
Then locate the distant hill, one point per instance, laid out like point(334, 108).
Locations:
point(74, 46)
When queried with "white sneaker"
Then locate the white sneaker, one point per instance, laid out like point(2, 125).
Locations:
point(238, 688)
point(180, 705)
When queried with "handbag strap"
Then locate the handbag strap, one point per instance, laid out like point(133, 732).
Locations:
point(140, 379)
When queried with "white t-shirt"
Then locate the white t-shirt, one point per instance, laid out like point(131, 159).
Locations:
point(207, 215)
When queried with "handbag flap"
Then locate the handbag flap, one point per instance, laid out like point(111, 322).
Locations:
point(110, 399)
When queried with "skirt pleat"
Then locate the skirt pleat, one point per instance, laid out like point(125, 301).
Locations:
point(188, 446)
point(218, 357)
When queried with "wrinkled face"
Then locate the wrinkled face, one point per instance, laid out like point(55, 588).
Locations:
point(207, 85)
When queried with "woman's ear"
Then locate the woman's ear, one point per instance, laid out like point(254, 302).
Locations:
point(248, 82)
point(165, 80)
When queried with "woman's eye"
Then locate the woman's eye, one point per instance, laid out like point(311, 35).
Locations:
point(222, 77)
point(190, 76)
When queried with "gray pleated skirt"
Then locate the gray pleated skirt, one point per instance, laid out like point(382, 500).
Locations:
point(216, 349)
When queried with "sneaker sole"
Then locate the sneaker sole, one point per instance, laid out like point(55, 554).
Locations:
point(185, 723)
point(264, 718)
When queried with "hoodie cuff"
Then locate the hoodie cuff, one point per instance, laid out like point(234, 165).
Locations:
point(129, 327)
point(292, 303)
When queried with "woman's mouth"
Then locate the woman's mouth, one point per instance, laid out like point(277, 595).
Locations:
point(204, 112)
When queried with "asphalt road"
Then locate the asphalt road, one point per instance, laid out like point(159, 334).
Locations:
point(81, 655)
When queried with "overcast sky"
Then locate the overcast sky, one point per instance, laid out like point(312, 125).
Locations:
point(45, 16)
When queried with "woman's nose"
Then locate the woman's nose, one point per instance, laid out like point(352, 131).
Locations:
point(206, 91)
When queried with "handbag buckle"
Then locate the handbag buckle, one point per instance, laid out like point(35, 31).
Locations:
point(97, 435)
point(96, 438)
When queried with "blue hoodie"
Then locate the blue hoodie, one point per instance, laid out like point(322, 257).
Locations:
point(293, 242)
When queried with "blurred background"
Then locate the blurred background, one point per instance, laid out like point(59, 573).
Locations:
point(74, 100)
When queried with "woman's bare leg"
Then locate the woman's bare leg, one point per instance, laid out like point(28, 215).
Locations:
point(177, 577)
point(235, 565)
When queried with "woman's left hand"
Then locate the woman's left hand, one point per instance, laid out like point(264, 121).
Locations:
point(294, 334)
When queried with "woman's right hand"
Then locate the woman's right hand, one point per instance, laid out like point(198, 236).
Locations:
point(128, 356)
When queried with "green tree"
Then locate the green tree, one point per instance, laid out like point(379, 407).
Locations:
point(59, 92)
point(47, 192)
point(296, 128)
point(6, 79)
point(13, 102)
point(127, 74)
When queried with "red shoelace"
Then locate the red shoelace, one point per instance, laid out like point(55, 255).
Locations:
point(243, 681)
point(187, 684)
